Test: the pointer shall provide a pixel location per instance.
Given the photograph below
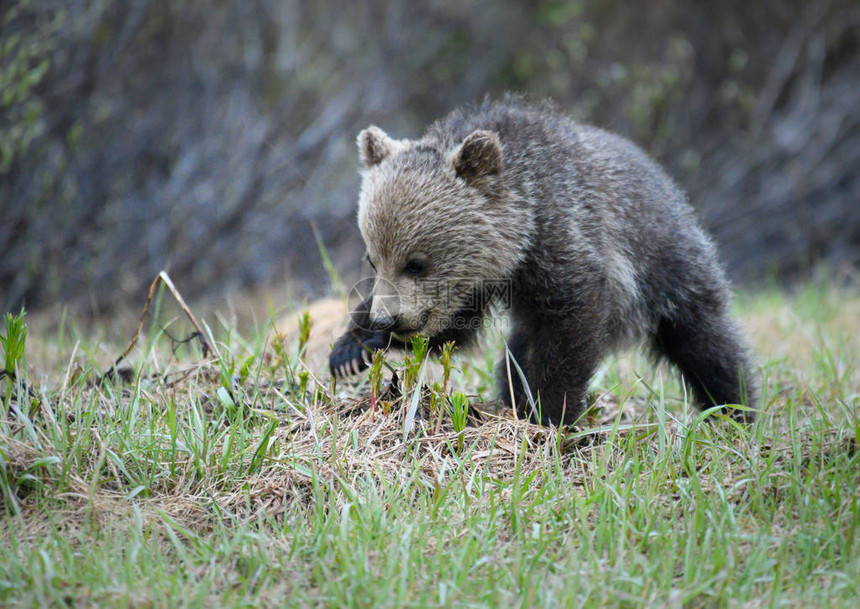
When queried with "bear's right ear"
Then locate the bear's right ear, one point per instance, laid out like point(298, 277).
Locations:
point(479, 155)
point(374, 145)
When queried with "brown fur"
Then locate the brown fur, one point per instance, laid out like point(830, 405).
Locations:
point(597, 244)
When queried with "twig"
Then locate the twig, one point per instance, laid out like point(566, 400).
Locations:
point(164, 278)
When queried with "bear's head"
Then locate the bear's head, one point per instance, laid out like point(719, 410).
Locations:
point(439, 225)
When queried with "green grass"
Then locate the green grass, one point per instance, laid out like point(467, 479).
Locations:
point(223, 483)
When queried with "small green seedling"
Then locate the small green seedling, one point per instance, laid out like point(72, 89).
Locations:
point(437, 397)
point(305, 325)
point(410, 370)
point(413, 360)
point(458, 408)
point(445, 359)
point(420, 346)
point(280, 359)
point(13, 345)
point(376, 366)
point(304, 377)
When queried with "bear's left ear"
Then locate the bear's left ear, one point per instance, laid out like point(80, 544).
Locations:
point(374, 145)
point(478, 156)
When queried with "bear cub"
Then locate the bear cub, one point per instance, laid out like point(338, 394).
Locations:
point(584, 239)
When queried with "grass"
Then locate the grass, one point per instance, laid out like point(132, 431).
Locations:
point(233, 482)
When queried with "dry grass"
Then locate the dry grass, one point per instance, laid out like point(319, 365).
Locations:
point(240, 481)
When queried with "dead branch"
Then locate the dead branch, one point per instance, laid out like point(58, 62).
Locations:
point(164, 278)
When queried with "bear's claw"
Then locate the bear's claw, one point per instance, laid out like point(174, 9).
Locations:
point(351, 356)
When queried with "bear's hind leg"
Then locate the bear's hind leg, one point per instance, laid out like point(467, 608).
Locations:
point(710, 353)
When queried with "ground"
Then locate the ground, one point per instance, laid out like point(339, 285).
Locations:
point(235, 479)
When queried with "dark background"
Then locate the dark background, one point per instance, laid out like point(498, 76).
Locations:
point(212, 138)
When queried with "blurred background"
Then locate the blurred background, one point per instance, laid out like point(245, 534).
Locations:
point(216, 138)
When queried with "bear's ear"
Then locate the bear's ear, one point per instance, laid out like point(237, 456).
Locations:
point(374, 145)
point(478, 156)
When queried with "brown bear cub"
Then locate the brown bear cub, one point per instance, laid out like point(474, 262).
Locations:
point(577, 232)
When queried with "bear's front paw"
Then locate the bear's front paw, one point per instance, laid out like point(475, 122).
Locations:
point(351, 355)
point(348, 358)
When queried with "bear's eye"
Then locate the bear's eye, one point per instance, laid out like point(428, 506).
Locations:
point(370, 262)
point(416, 267)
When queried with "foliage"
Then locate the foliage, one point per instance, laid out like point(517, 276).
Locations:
point(151, 494)
point(13, 342)
point(458, 408)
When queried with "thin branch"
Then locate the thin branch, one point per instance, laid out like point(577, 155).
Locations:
point(164, 278)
